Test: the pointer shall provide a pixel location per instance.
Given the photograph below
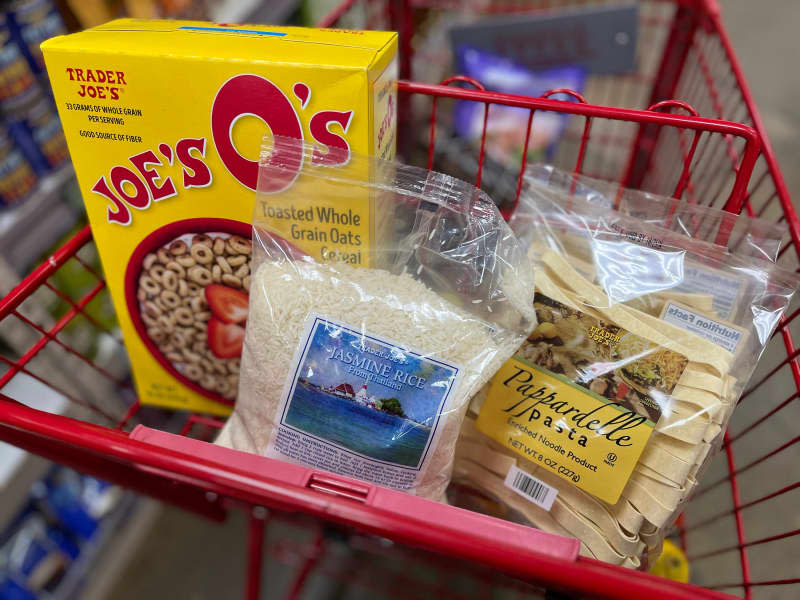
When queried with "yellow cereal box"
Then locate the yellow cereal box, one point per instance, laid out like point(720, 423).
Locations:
point(164, 121)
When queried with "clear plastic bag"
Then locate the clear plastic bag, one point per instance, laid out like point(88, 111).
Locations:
point(742, 235)
point(605, 419)
point(366, 370)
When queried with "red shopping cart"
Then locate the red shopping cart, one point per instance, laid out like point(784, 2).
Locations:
point(709, 147)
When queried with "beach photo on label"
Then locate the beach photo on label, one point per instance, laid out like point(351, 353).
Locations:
point(366, 396)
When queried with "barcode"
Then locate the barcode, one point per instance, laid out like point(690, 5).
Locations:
point(534, 489)
point(531, 488)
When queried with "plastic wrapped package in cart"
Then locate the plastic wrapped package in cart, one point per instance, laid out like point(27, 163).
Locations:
point(741, 234)
point(367, 371)
point(613, 406)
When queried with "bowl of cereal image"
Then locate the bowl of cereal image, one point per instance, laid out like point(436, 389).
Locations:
point(186, 287)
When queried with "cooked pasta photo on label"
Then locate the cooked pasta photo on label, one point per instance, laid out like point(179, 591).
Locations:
point(602, 357)
point(372, 407)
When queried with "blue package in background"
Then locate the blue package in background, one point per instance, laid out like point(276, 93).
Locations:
point(99, 497)
point(57, 524)
point(36, 130)
point(32, 22)
point(13, 590)
point(507, 126)
point(59, 497)
point(20, 131)
point(78, 502)
point(17, 177)
point(63, 541)
point(34, 555)
point(17, 79)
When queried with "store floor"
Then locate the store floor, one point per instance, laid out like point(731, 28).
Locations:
point(187, 557)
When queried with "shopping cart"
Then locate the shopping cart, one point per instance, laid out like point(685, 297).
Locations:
point(709, 147)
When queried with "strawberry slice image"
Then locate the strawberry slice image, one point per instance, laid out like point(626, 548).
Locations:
point(227, 304)
point(225, 339)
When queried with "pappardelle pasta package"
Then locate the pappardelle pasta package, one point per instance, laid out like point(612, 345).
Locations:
point(601, 424)
point(742, 235)
point(364, 366)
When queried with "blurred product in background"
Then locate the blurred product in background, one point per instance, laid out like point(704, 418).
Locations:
point(17, 178)
point(32, 143)
point(90, 13)
point(34, 556)
point(32, 22)
point(507, 130)
point(525, 48)
point(36, 129)
point(78, 502)
point(17, 80)
point(601, 39)
point(44, 544)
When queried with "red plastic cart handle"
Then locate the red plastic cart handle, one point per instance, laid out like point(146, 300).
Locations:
point(351, 501)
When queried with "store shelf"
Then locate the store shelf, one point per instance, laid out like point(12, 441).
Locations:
point(30, 229)
point(103, 559)
point(19, 470)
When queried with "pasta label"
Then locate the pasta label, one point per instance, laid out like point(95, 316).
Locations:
point(724, 334)
point(581, 398)
point(726, 288)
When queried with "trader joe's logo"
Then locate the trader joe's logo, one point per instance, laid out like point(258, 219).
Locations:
point(99, 84)
point(142, 180)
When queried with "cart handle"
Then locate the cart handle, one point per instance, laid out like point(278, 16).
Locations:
point(752, 140)
point(510, 548)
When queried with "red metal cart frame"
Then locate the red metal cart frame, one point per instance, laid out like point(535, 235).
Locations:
point(721, 158)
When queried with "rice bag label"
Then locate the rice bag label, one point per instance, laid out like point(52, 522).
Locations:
point(723, 334)
point(581, 398)
point(361, 406)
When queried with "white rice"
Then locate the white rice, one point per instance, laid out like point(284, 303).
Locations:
point(394, 307)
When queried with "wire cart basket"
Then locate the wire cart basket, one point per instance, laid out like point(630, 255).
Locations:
point(683, 124)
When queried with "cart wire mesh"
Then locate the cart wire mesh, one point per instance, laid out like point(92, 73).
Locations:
point(707, 148)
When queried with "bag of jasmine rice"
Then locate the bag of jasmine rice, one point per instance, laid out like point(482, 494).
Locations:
point(366, 370)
